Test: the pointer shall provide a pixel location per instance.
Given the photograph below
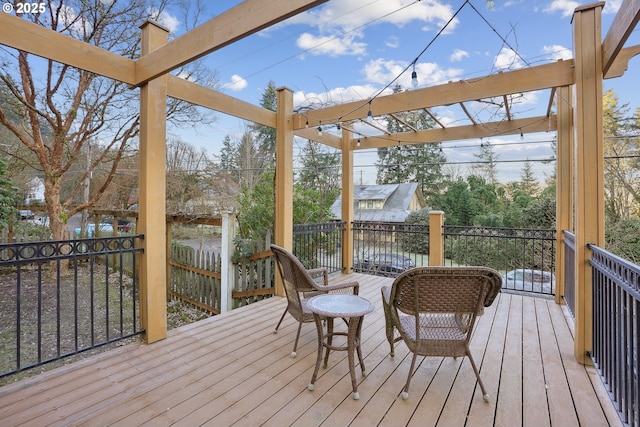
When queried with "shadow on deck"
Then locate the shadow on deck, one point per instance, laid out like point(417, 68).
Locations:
point(232, 370)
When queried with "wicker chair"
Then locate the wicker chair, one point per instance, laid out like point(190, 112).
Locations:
point(299, 285)
point(434, 309)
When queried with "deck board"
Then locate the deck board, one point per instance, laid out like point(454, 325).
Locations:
point(232, 370)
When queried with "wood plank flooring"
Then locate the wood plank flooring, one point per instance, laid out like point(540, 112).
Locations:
point(232, 370)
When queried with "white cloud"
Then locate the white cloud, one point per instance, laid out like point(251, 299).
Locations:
point(331, 45)
point(392, 42)
point(334, 96)
point(458, 54)
point(507, 59)
point(612, 6)
point(382, 71)
point(565, 7)
point(163, 18)
point(557, 52)
point(236, 84)
point(186, 76)
point(341, 24)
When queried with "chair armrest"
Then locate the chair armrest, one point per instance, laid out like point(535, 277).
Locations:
point(355, 286)
point(386, 295)
point(319, 272)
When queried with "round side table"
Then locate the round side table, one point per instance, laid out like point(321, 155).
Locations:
point(329, 307)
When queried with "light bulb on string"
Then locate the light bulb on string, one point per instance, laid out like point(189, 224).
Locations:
point(414, 76)
point(369, 115)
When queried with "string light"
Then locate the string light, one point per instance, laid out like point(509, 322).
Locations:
point(414, 76)
point(369, 115)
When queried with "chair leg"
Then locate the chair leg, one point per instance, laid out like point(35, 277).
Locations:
point(388, 328)
point(275, 331)
point(295, 345)
point(485, 395)
point(405, 391)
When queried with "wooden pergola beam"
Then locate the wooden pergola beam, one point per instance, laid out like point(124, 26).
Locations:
point(325, 138)
point(191, 92)
point(434, 118)
point(29, 37)
point(507, 109)
point(403, 122)
point(506, 127)
point(621, 28)
point(556, 74)
point(245, 19)
point(466, 112)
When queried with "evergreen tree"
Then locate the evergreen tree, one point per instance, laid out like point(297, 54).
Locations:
point(8, 196)
point(266, 136)
point(320, 174)
point(528, 182)
point(421, 163)
point(487, 165)
point(226, 154)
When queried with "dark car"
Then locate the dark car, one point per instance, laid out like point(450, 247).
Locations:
point(385, 264)
point(26, 214)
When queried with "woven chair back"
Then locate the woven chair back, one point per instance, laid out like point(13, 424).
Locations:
point(295, 277)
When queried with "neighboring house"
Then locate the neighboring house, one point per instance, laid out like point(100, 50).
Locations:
point(383, 203)
point(36, 191)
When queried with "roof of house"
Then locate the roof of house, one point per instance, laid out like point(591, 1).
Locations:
point(396, 198)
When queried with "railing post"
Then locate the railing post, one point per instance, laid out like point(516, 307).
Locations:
point(436, 238)
point(227, 276)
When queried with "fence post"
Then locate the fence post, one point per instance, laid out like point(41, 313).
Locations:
point(227, 275)
point(436, 238)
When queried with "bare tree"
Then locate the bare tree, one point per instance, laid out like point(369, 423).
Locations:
point(58, 111)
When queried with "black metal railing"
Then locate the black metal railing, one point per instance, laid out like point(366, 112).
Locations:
point(318, 245)
point(616, 330)
point(389, 248)
point(526, 257)
point(60, 298)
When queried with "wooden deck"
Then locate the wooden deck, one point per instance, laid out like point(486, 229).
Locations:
point(232, 370)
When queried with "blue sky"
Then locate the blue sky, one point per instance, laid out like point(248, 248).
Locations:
point(347, 50)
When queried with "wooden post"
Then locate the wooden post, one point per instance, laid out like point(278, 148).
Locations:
point(436, 238)
point(347, 201)
point(227, 276)
point(589, 181)
point(283, 222)
point(564, 181)
point(152, 193)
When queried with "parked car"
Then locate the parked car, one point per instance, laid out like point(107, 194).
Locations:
point(104, 229)
point(384, 264)
point(26, 214)
point(123, 223)
point(524, 279)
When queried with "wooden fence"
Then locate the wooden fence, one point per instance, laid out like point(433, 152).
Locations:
point(197, 277)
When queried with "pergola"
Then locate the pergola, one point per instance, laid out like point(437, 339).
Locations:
point(576, 90)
